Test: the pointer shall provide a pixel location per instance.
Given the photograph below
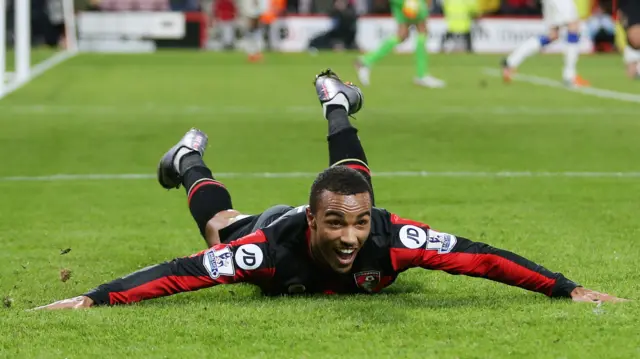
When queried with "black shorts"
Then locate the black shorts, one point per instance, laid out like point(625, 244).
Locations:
point(251, 224)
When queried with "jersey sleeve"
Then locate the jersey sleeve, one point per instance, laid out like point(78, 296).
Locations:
point(245, 260)
point(415, 244)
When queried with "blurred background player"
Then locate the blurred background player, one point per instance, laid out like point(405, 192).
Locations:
point(629, 17)
point(459, 15)
point(602, 30)
point(270, 23)
point(557, 14)
point(407, 13)
point(343, 31)
point(250, 13)
point(223, 19)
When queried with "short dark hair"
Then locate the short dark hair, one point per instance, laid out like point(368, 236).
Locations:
point(338, 179)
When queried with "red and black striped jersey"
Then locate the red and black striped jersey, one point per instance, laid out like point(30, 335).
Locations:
point(277, 259)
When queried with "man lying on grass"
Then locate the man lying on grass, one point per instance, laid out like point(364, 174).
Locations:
point(338, 243)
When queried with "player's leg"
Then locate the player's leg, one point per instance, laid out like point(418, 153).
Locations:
point(183, 165)
point(468, 41)
point(250, 12)
point(254, 40)
point(553, 19)
point(571, 55)
point(444, 41)
point(526, 49)
point(567, 13)
point(339, 100)
point(365, 63)
point(423, 77)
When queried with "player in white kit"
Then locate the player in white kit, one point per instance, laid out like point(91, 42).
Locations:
point(557, 14)
point(250, 12)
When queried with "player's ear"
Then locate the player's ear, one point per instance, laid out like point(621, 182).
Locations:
point(311, 219)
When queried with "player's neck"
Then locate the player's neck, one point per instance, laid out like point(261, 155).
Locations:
point(311, 249)
point(314, 252)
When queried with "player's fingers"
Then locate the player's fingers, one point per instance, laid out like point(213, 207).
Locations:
point(584, 299)
point(61, 304)
point(593, 296)
point(587, 297)
point(612, 299)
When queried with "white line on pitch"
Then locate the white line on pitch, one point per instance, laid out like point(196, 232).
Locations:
point(97, 110)
point(590, 91)
point(247, 175)
point(38, 70)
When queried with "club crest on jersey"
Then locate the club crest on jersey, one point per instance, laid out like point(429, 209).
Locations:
point(368, 280)
point(219, 262)
point(442, 242)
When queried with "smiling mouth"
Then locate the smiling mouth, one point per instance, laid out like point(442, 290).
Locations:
point(346, 256)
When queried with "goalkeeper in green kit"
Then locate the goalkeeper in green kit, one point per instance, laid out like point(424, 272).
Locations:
point(407, 13)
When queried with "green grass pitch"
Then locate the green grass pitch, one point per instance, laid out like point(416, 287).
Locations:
point(117, 114)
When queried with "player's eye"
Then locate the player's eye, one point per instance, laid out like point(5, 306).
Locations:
point(363, 222)
point(334, 223)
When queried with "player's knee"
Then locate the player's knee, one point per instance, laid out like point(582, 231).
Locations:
point(553, 35)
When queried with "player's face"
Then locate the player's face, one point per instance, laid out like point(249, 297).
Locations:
point(340, 228)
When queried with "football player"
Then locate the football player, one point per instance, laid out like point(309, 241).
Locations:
point(250, 13)
point(557, 14)
point(407, 14)
point(339, 242)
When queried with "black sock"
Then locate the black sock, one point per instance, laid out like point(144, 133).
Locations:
point(345, 148)
point(205, 195)
point(338, 119)
point(189, 161)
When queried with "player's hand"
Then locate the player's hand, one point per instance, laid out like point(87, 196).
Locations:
point(581, 294)
point(71, 303)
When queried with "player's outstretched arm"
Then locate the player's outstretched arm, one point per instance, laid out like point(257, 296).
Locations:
point(417, 245)
point(231, 263)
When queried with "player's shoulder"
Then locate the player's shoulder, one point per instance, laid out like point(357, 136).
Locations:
point(394, 231)
point(389, 233)
point(387, 227)
point(384, 221)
